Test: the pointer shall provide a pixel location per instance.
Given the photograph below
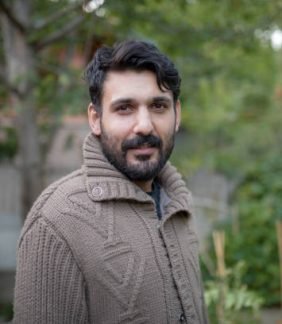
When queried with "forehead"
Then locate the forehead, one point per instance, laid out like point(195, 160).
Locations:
point(132, 84)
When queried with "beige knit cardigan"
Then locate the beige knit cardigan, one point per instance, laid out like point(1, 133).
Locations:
point(92, 250)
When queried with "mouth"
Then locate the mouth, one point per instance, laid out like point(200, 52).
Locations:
point(144, 150)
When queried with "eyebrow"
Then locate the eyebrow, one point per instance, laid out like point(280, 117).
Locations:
point(122, 101)
point(130, 100)
point(162, 99)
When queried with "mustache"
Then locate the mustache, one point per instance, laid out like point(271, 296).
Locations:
point(140, 140)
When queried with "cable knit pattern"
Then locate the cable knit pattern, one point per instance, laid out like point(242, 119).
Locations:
point(49, 269)
point(92, 250)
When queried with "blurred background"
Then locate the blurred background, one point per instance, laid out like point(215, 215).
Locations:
point(229, 150)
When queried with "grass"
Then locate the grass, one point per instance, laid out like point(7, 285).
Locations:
point(6, 312)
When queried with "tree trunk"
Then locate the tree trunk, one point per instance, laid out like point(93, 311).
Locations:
point(22, 76)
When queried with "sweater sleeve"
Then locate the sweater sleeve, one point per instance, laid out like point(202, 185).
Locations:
point(49, 285)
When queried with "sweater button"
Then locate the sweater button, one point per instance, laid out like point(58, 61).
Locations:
point(182, 318)
point(97, 191)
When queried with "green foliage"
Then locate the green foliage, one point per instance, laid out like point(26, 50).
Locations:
point(251, 233)
point(67, 91)
point(8, 143)
point(233, 297)
point(257, 245)
point(6, 312)
point(258, 206)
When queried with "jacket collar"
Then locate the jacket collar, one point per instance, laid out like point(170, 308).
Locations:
point(105, 182)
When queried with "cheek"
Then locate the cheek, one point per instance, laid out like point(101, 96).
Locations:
point(165, 124)
point(114, 138)
point(119, 127)
point(166, 130)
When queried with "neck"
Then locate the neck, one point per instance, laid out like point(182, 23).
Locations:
point(144, 185)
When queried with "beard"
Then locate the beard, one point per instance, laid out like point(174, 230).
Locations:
point(144, 169)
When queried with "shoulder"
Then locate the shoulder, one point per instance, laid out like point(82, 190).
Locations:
point(172, 182)
point(55, 199)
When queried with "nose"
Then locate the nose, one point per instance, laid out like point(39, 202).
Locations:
point(143, 124)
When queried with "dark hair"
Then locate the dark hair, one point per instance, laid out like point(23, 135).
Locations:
point(132, 55)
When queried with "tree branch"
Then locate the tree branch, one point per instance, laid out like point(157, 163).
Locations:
point(10, 15)
point(56, 16)
point(4, 81)
point(59, 34)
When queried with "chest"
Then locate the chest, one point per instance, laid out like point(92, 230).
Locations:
point(127, 263)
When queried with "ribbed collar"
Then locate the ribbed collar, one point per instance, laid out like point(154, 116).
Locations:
point(105, 182)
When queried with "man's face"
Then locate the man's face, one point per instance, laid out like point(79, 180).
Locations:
point(137, 124)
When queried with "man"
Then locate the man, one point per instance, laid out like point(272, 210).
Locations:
point(113, 242)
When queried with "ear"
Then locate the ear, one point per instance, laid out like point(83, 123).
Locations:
point(178, 115)
point(94, 119)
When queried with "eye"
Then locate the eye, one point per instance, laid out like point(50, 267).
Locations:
point(124, 109)
point(159, 106)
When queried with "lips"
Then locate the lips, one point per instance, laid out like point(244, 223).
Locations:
point(146, 150)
